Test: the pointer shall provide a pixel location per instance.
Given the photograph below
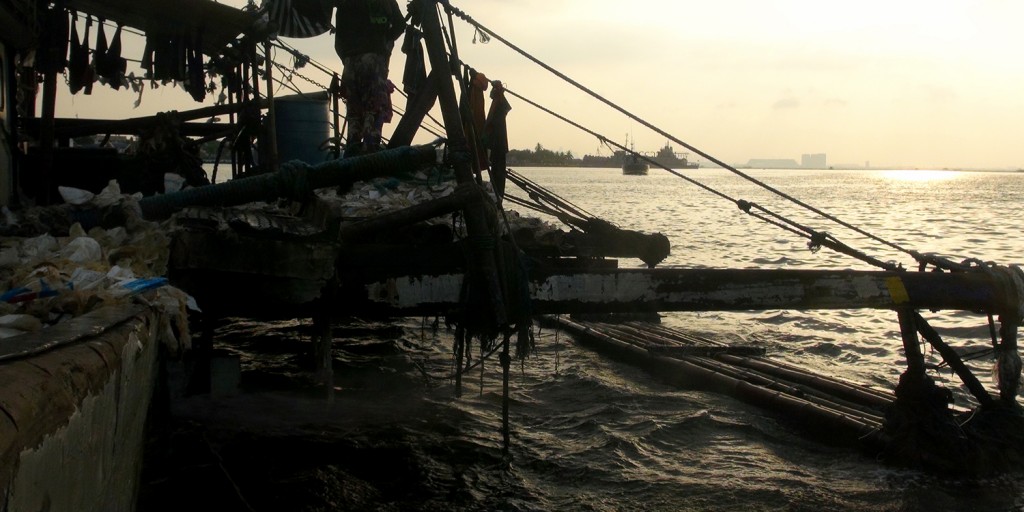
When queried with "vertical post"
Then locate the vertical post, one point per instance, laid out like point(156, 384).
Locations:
point(911, 343)
point(1008, 359)
point(460, 347)
point(336, 104)
point(271, 128)
point(322, 351)
point(244, 96)
point(476, 223)
point(506, 362)
point(46, 135)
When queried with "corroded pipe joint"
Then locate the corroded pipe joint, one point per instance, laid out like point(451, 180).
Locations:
point(1009, 286)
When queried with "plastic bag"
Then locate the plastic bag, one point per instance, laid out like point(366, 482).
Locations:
point(83, 250)
point(75, 196)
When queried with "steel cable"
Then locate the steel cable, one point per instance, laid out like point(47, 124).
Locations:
point(915, 254)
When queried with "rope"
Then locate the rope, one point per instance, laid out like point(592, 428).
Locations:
point(523, 180)
point(536, 207)
point(916, 255)
point(817, 239)
point(556, 206)
point(299, 55)
point(607, 141)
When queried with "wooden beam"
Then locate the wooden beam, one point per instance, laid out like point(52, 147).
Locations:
point(416, 109)
point(632, 290)
point(70, 128)
point(485, 266)
point(457, 200)
point(219, 23)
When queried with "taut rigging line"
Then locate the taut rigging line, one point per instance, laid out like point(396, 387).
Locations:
point(817, 239)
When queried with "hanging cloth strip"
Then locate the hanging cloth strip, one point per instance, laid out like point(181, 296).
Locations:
point(78, 59)
point(495, 137)
point(196, 83)
point(415, 74)
point(52, 56)
point(118, 65)
point(99, 54)
point(180, 63)
point(89, 73)
point(473, 116)
point(147, 55)
point(298, 18)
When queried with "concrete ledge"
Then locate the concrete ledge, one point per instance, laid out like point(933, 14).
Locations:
point(73, 406)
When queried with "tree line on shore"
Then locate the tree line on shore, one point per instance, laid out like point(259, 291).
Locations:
point(540, 156)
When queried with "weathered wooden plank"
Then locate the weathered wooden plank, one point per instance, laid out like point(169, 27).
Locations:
point(697, 290)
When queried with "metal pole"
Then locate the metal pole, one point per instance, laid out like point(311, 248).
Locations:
point(271, 111)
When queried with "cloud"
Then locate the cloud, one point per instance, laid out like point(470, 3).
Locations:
point(836, 102)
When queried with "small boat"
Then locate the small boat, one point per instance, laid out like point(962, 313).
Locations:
point(634, 166)
point(631, 162)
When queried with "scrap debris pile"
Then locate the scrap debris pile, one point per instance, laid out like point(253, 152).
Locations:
point(386, 195)
point(47, 279)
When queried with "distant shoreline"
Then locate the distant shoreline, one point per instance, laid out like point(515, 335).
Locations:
point(707, 165)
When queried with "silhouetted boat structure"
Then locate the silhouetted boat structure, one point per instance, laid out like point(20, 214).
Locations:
point(667, 157)
point(633, 166)
point(240, 253)
point(631, 163)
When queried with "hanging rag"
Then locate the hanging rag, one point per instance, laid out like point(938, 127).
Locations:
point(298, 18)
point(89, 72)
point(118, 65)
point(163, 51)
point(52, 56)
point(415, 74)
point(99, 54)
point(196, 83)
point(473, 117)
point(147, 55)
point(496, 138)
point(78, 59)
point(180, 47)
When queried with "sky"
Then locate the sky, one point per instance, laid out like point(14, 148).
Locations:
point(895, 84)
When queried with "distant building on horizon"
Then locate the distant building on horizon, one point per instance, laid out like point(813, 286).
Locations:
point(813, 161)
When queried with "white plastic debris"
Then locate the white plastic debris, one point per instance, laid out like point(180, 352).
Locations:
point(21, 322)
point(82, 250)
point(7, 332)
point(9, 257)
point(110, 195)
point(10, 219)
point(173, 182)
point(40, 246)
point(85, 279)
point(118, 273)
point(75, 196)
point(190, 303)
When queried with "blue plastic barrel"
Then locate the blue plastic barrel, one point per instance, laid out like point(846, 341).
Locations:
point(302, 126)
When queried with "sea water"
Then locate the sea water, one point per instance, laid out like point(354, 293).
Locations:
point(592, 434)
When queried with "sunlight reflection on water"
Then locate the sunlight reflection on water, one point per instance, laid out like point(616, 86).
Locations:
point(920, 175)
point(590, 433)
point(957, 215)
